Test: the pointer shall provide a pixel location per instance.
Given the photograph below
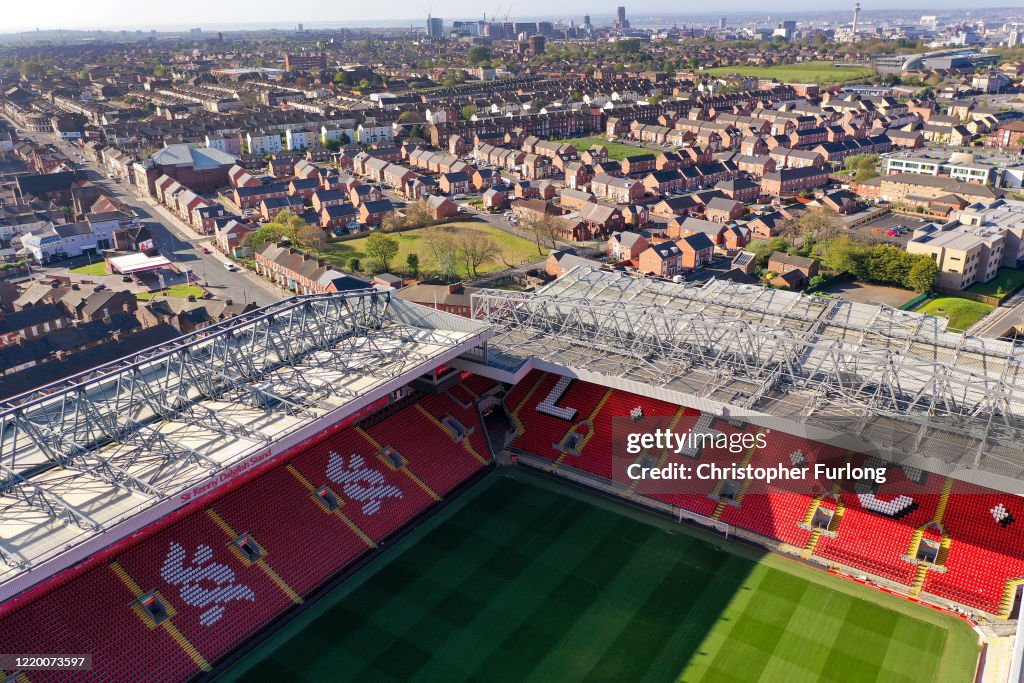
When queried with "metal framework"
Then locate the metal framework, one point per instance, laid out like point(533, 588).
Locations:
point(895, 379)
point(151, 425)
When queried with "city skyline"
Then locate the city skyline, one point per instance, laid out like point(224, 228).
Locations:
point(262, 15)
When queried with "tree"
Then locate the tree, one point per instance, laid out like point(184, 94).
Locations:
point(382, 248)
point(843, 255)
point(407, 116)
point(921, 277)
point(476, 249)
point(468, 111)
point(544, 228)
point(354, 265)
point(629, 46)
point(310, 237)
point(412, 264)
point(818, 224)
point(285, 226)
point(478, 54)
point(444, 250)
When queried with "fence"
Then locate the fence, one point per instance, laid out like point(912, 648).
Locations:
point(916, 301)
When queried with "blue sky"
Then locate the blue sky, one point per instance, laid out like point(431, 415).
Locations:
point(132, 14)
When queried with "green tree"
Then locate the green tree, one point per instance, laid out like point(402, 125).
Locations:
point(412, 264)
point(354, 265)
point(285, 226)
point(921, 277)
point(468, 111)
point(629, 46)
point(478, 54)
point(382, 248)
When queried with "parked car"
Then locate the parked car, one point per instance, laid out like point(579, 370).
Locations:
point(206, 250)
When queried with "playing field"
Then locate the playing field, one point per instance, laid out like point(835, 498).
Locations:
point(616, 150)
point(513, 250)
point(522, 579)
point(804, 72)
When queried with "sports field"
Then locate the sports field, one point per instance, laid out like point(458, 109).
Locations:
point(522, 579)
point(804, 72)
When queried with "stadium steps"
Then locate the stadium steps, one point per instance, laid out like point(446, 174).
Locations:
point(593, 416)
point(167, 624)
point(1009, 593)
point(837, 516)
point(380, 449)
point(337, 513)
point(664, 454)
point(590, 432)
point(812, 543)
point(520, 428)
point(940, 558)
point(915, 541)
point(918, 583)
point(940, 509)
point(747, 457)
point(465, 437)
point(260, 563)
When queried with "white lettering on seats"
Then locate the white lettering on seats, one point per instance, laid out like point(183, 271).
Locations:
point(360, 482)
point(203, 582)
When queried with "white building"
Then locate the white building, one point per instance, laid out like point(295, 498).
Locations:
point(369, 133)
point(262, 144)
point(300, 139)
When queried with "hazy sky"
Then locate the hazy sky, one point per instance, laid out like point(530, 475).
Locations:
point(21, 15)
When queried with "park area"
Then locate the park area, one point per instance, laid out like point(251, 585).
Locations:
point(804, 72)
point(512, 250)
point(962, 313)
point(617, 151)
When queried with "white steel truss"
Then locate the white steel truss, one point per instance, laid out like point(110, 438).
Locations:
point(893, 378)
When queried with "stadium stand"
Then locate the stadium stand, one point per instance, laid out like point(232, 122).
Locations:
point(977, 544)
point(169, 604)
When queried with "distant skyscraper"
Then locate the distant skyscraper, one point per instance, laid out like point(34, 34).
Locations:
point(299, 28)
point(620, 19)
point(856, 15)
point(435, 27)
point(721, 23)
point(586, 21)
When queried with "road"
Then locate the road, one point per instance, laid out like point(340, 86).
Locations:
point(1001, 319)
point(175, 241)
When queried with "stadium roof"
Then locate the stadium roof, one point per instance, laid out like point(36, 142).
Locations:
point(897, 382)
point(90, 459)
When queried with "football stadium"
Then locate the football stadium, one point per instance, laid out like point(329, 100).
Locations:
point(351, 487)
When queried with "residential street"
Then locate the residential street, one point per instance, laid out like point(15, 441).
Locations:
point(175, 241)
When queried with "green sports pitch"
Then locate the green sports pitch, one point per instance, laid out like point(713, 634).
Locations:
point(525, 579)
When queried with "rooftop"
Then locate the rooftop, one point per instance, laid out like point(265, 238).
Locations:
point(83, 457)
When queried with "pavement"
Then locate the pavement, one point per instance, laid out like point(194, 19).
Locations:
point(175, 240)
point(995, 324)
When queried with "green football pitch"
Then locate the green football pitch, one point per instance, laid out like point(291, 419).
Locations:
point(524, 579)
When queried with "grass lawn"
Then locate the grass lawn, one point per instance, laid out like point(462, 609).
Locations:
point(1007, 280)
point(805, 72)
point(91, 269)
point(179, 291)
point(616, 150)
point(515, 249)
point(962, 313)
point(525, 579)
